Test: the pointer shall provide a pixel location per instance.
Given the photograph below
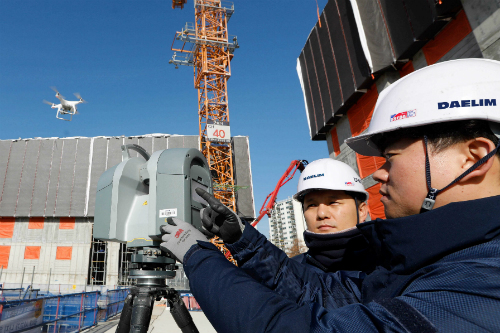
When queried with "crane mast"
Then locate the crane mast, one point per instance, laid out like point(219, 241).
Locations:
point(207, 46)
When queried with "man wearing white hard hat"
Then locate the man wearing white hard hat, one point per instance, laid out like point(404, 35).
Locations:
point(438, 253)
point(334, 202)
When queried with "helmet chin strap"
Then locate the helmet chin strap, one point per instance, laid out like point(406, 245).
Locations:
point(430, 199)
point(357, 210)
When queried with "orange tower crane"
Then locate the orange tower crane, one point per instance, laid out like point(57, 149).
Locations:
point(207, 46)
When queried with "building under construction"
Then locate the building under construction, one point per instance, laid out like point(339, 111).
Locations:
point(359, 47)
point(47, 200)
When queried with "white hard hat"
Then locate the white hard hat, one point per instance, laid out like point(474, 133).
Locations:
point(449, 91)
point(329, 174)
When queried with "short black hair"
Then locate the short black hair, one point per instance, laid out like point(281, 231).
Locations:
point(441, 135)
point(361, 197)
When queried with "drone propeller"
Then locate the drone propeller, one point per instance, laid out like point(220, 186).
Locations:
point(57, 92)
point(47, 102)
point(80, 97)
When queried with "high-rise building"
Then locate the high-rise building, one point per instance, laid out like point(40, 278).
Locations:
point(287, 224)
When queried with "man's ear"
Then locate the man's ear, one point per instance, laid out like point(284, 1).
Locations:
point(473, 150)
point(363, 211)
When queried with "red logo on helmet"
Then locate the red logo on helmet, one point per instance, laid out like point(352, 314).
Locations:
point(403, 115)
point(178, 233)
point(349, 184)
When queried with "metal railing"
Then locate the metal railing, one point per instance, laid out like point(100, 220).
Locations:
point(58, 313)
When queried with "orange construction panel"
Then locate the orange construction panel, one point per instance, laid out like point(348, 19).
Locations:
point(407, 69)
point(335, 141)
point(67, 223)
point(32, 252)
point(375, 207)
point(368, 164)
point(7, 227)
point(4, 256)
point(64, 252)
point(36, 222)
point(360, 114)
point(450, 36)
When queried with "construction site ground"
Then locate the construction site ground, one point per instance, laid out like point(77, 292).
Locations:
point(161, 322)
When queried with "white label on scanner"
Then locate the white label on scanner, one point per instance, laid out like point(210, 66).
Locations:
point(168, 212)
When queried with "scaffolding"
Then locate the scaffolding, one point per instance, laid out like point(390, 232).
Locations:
point(124, 265)
point(98, 260)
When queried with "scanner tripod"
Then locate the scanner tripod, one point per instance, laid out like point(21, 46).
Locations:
point(151, 267)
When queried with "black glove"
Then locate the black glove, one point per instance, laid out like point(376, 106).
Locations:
point(219, 219)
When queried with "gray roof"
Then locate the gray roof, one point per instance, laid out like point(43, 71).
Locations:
point(58, 176)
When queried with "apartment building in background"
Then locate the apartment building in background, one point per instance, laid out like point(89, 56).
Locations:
point(287, 224)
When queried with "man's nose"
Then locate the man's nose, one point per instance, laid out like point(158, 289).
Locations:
point(382, 174)
point(323, 212)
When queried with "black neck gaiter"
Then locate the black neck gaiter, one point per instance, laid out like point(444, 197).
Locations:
point(344, 250)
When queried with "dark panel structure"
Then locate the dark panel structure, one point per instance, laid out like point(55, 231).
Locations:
point(302, 68)
point(54, 177)
point(314, 87)
point(357, 41)
point(320, 72)
point(409, 24)
point(357, 61)
point(335, 27)
point(333, 66)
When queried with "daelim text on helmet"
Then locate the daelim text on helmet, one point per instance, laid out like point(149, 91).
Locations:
point(314, 176)
point(467, 103)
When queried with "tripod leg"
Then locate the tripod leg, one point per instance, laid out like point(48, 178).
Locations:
point(180, 313)
point(124, 323)
point(141, 312)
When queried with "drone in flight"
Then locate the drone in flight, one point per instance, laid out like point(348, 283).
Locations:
point(66, 109)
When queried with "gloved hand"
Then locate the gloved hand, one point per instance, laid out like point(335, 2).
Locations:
point(219, 219)
point(178, 237)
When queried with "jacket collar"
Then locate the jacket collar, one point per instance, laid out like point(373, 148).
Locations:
point(409, 243)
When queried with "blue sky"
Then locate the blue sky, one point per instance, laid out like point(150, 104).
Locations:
point(116, 52)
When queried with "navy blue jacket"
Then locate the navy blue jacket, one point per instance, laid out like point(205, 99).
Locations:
point(438, 271)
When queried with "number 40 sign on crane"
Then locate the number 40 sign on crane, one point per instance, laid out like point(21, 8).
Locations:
point(218, 131)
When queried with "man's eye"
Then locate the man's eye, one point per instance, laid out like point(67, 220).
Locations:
point(388, 156)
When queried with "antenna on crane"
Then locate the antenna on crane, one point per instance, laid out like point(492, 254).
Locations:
point(178, 4)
